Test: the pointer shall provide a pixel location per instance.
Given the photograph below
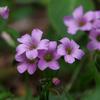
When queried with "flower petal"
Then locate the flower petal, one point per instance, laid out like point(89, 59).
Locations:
point(68, 20)
point(42, 65)
point(43, 45)
point(78, 12)
point(64, 41)
point(86, 27)
point(97, 15)
point(61, 50)
point(41, 53)
point(20, 58)
point(73, 27)
point(37, 35)
point(78, 54)
point(69, 59)
point(54, 65)
point(52, 45)
point(89, 15)
point(22, 68)
point(31, 69)
point(74, 44)
point(21, 49)
point(32, 54)
point(4, 12)
point(92, 45)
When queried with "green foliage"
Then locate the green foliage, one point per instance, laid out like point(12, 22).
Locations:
point(12, 32)
point(92, 95)
point(61, 97)
point(4, 93)
point(22, 12)
point(2, 24)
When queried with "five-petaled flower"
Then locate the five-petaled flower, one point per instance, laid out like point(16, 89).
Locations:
point(31, 44)
point(4, 12)
point(48, 58)
point(79, 21)
point(70, 50)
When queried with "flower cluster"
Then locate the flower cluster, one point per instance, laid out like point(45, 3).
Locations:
point(34, 52)
point(4, 12)
point(89, 21)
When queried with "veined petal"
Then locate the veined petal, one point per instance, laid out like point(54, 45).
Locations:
point(31, 69)
point(97, 14)
point(69, 59)
point(86, 27)
point(61, 50)
point(74, 44)
point(78, 54)
point(42, 65)
point(89, 16)
point(32, 54)
point(54, 65)
point(64, 41)
point(37, 35)
point(20, 58)
point(25, 39)
point(22, 68)
point(21, 49)
point(43, 45)
point(73, 27)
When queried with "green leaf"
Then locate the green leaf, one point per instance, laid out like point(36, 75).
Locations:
point(57, 9)
point(2, 24)
point(24, 1)
point(60, 97)
point(23, 12)
point(4, 93)
point(92, 95)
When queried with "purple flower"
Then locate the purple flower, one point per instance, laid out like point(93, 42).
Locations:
point(26, 64)
point(48, 58)
point(79, 21)
point(97, 14)
point(94, 43)
point(31, 44)
point(4, 12)
point(70, 50)
point(96, 25)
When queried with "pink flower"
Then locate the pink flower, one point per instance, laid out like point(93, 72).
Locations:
point(48, 58)
point(25, 64)
point(4, 12)
point(31, 44)
point(70, 50)
point(96, 24)
point(79, 21)
point(97, 14)
point(94, 37)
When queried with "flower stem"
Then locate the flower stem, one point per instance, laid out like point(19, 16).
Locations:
point(44, 95)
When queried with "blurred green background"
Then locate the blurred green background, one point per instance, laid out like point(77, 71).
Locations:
point(82, 79)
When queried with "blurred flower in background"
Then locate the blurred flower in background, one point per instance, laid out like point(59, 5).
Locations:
point(4, 12)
